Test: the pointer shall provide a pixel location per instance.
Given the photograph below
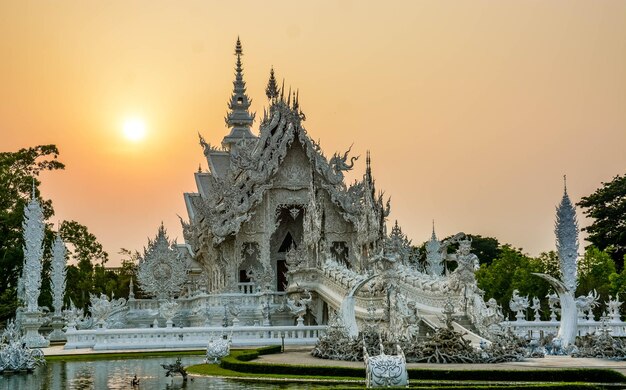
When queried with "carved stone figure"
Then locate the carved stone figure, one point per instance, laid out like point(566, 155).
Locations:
point(15, 356)
point(299, 306)
point(104, 311)
point(614, 305)
point(385, 370)
point(168, 310)
point(217, 349)
point(553, 300)
point(519, 305)
point(586, 304)
point(536, 308)
point(339, 163)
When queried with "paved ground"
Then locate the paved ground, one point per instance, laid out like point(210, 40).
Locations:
point(302, 356)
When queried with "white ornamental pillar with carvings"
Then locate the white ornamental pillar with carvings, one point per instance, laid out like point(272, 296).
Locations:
point(33, 227)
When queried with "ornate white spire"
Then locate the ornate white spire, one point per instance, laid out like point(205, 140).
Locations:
point(238, 118)
point(131, 289)
point(33, 228)
point(566, 230)
point(58, 274)
point(434, 260)
point(271, 91)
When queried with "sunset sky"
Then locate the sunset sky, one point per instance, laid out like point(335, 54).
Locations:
point(472, 110)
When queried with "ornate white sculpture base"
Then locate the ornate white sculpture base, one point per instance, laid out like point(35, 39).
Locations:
point(14, 356)
point(217, 349)
point(57, 334)
point(385, 370)
point(31, 321)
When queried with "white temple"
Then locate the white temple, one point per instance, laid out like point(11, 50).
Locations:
point(277, 246)
point(273, 214)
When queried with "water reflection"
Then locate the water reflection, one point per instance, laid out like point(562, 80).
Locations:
point(117, 374)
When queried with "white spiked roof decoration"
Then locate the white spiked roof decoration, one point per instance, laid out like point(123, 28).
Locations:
point(566, 231)
point(238, 118)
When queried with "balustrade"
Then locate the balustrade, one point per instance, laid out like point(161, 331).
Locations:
point(191, 337)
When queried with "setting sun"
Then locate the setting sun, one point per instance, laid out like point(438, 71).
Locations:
point(134, 129)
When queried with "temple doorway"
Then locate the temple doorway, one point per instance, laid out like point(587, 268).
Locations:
point(288, 234)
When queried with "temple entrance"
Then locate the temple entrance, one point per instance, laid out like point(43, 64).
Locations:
point(288, 234)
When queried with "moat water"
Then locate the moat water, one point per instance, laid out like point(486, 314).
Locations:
point(117, 374)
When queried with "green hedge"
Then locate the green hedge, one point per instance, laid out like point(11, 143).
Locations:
point(241, 361)
point(591, 375)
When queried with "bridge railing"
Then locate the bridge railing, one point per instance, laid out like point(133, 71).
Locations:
point(537, 329)
point(191, 337)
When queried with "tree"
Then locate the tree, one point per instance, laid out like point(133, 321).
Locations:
point(607, 206)
point(18, 178)
point(512, 270)
point(549, 263)
point(485, 248)
point(594, 272)
point(88, 257)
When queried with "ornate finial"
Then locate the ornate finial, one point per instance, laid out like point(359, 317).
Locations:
point(239, 119)
point(565, 183)
point(289, 98)
point(199, 168)
point(296, 103)
point(434, 236)
point(238, 49)
point(271, 91)
point(282, 92)
point(33, 196)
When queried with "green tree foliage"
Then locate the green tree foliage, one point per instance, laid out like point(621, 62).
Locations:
point(594, 271)
point(485, 248)
point(607, 206)
point(512, 270)
point(549, 263)
point(617, 282)
point(86, 259)
point(18, 174)
point(86, 274)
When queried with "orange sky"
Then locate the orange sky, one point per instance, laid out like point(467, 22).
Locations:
point(472, 110)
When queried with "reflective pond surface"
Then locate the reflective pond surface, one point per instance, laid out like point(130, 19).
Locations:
point(117, 374)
